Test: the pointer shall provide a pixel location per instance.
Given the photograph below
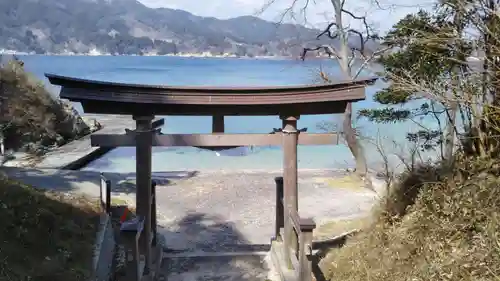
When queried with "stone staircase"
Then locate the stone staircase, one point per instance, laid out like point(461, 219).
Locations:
point(222, 266)
point(199, 265)
point(230, 262)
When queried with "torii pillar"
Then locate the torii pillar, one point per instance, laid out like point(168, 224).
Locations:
point(290, 177)
point(143, 155)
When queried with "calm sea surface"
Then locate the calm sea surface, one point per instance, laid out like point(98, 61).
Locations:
point(222, 72)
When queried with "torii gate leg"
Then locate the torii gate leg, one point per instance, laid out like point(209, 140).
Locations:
point(144, 134)
point(290, 178)
point(217, 123)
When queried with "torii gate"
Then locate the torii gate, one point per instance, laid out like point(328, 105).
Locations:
point(143, 102)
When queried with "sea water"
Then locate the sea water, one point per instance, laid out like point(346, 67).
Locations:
point(388, 139)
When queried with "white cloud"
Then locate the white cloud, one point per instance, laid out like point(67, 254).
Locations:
point(317, 15)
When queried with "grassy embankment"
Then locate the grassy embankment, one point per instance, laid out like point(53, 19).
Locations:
point(45, 235)
point(31, 119)
point(434, 225)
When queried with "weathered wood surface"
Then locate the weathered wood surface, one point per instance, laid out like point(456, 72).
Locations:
point(213, 140)
point(121, 98)
point(292, 259)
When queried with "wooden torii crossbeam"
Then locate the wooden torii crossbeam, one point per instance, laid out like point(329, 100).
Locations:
point(143, 102)
point(216, 140)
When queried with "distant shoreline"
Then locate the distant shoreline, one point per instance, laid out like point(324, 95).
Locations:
point(185, 55)
point(181, 55)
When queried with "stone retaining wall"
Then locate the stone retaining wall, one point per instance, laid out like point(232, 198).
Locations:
point(104, 250)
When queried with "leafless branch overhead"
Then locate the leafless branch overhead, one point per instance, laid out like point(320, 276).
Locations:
point(326, 48)
point(290, 10)
point(328, 32)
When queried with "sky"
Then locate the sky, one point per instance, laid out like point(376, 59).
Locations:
point(317, 15)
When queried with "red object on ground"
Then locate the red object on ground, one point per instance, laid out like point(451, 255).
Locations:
point(124, 215)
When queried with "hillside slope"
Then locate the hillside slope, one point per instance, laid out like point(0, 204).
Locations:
point(435, 225)
point(45, 235)
point(129, 27)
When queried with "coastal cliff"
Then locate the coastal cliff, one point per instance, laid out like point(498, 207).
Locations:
point(31, 120)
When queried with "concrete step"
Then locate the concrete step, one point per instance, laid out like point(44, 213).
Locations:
point(227, 266)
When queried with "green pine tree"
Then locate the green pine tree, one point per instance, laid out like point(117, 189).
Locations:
point(425, 69)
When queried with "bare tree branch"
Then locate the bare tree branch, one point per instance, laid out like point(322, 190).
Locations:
point(290, 10)
point(327, 31)
point(352, 60)
point(368, 60)
point(347, 56)
point(331, 52)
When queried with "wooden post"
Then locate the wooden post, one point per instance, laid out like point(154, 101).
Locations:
point(153, 214)
point(217, 123)
point(108, 196)
point(137, 258)
point(280, 211)
point(105, 194)
point(305, 252)
point(144, 134)
point(2, 147)
point(290, 136)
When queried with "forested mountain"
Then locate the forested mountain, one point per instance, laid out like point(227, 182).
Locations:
point(129, 27)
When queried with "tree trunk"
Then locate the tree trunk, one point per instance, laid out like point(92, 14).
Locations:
point(353, 143)
point(349, 131)
point(449, 144)
point(452, 102)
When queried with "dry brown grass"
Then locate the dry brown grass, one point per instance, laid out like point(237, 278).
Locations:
point(435, 226)
point(45, 236)
point(30, 118)
point(336, 228)
point(351, 182)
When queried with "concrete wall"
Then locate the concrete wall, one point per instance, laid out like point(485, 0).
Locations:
point(104, 250)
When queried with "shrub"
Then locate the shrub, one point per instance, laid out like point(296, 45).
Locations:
point(438, 226)
point(30, 118)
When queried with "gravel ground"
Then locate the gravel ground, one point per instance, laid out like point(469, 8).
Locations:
point(216, 212)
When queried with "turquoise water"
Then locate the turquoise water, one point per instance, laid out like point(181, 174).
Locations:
point(223, 72)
